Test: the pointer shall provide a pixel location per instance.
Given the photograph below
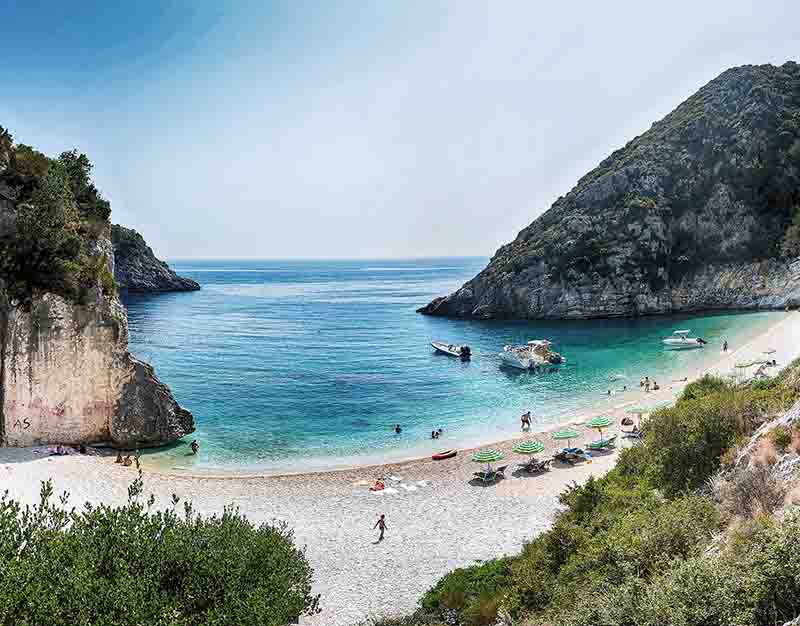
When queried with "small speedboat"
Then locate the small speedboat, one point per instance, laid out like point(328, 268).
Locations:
point(462, 352)
point(537, 353)
point(681, 340)
point(447, 454)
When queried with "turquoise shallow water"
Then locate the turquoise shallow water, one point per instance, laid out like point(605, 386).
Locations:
point(296, 365)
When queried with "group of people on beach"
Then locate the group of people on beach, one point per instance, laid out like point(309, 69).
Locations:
point(647, 384)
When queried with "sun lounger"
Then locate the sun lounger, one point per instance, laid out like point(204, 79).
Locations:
point(534, 466)
point(488, 477)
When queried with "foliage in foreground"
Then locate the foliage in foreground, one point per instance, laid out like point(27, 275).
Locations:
point(631, 548)
point(131, 565)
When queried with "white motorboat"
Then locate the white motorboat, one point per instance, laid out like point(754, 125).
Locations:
point(537, 353)
point(462, 352)
point(681, 340)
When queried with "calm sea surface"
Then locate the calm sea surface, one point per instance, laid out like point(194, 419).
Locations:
point(294, 365)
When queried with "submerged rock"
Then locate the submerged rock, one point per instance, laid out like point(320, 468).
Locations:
point(696, 213)
point(138, 269)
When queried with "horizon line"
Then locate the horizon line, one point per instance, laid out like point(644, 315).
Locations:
point(255, 258)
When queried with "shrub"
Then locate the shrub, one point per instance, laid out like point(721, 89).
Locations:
point(469, 591)
point(704, 386)
point(781, 438)
point(131, 565)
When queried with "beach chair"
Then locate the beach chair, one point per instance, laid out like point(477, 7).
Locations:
point(486, 476)
point(564, 456)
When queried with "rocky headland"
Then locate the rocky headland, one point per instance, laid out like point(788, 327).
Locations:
point(700, 212)
point(137, 269)
point(66, 375)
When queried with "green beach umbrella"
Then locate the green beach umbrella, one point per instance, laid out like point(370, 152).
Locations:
point(565, 433)
point(531, 447)
point(487, 456)
point(600, 422)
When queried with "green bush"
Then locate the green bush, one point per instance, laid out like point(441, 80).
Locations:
point(782, 438)
point(702, 387)
point(131, 565)
point(469, 591)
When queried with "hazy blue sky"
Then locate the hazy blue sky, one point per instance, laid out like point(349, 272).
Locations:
point(353, 129)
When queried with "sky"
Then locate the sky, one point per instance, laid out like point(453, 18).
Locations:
point(357, 129)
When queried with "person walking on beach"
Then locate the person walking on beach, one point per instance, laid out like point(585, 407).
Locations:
point(381, 524)
point(525, 418)
point(725, 345)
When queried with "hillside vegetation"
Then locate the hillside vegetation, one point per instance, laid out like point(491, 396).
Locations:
point(683, 531)
point(51, 216)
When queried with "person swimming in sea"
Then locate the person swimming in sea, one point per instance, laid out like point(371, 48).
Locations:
point(397, 429)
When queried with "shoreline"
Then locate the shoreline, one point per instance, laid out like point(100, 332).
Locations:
point(438, 519)
point(667, 394)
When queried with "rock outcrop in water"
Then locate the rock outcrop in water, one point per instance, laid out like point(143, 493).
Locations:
point(696, 213)
point(138, 269)
point(66, 375)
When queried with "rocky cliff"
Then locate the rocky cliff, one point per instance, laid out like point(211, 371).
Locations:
point(138, 269)
point(66, 375)
point(696, 213)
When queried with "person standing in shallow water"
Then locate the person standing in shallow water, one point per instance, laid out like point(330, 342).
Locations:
point(195, 446)
point(381, 524)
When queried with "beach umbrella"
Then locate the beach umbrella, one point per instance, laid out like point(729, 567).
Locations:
point(487, 456)
point(600, 422)
point(530, 447)
point(565, 433)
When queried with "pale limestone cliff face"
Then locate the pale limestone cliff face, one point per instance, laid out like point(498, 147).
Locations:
point(67, 377)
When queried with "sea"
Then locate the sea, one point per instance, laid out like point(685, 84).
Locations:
point(293, 366)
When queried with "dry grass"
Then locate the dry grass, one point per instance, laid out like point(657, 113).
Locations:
point(752, 491)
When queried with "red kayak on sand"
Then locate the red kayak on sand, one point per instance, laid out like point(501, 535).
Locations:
point(448, 454)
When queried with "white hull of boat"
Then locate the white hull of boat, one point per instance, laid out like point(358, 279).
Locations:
point(448, 349)
point(509, 359)
point(512, 360)
point(679, 344)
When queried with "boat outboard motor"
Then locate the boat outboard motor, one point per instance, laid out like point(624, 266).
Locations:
point(465, 352)
point(701, 340)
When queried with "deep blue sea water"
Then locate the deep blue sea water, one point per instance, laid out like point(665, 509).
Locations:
point(295, 365)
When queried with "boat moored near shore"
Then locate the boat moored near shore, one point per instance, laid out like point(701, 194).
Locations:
point(537, 353)
point(463, 352)
point(681, 340)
